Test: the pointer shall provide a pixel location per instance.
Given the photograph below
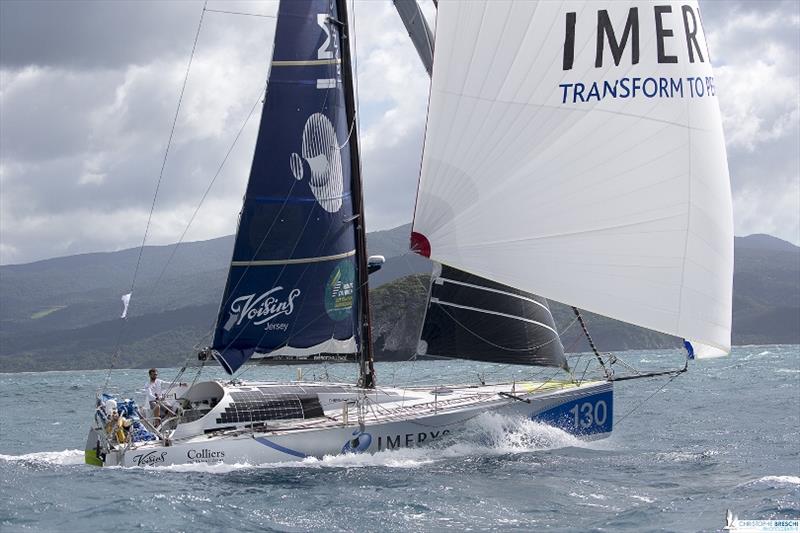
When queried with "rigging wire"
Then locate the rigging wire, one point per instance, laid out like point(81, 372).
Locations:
point(607, 372)
point(637, 406)
point(197, 209)
point(117, 349)
point(230, 293)
point(204, 196)
point(241, 13)
point(207, 191)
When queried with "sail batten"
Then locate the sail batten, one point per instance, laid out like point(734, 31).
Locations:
point(296, 261)
point(574, 150)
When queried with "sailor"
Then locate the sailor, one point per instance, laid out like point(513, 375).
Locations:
point(155, 395)
point(117, 425)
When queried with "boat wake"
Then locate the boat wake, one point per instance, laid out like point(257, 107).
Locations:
point(65, 457)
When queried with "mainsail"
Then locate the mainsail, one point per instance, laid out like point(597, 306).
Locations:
point(574, 150)
point(292, 288)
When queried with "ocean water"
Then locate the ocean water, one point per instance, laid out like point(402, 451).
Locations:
point(725, 435)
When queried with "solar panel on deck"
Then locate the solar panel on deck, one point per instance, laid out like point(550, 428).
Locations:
point(267, 403)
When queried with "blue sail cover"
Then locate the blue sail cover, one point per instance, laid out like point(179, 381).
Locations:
point(292, 286)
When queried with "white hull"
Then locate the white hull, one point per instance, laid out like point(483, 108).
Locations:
point(390, 419)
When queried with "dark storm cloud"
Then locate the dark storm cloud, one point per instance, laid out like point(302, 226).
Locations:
point(93, 34)
point(84, 128)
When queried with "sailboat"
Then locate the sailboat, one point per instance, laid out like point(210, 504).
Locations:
point(573, 152)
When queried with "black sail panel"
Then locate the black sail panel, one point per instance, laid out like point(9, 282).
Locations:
point(470, 317)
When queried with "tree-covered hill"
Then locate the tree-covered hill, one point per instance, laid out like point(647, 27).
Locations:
point(64, 313)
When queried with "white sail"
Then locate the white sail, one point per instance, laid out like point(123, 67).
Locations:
point(575, 150)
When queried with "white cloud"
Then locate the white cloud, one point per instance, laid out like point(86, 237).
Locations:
point(393, 90)
point(757, 69)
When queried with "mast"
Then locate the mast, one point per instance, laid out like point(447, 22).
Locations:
point(418, 30)
point(366, 377)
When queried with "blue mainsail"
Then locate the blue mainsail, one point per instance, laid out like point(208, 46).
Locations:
point(292, 289)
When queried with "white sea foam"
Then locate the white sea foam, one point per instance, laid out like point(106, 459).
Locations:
point(66, 457)
point(585, 499)
point(789, 480)
point(207, 468)
point(493, 432)
point(686, 456)
point(788, 371)
point(404, 458)
point(644, 499)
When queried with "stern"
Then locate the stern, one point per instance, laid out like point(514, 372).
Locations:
point(93, 454)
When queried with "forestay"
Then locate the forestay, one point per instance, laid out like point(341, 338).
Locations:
point(292, 287)
point(574, 150)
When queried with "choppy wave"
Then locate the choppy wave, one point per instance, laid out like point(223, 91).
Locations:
point(65, 457)
point(677, 464)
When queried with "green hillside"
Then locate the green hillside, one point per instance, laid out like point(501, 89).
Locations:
point(64, 313)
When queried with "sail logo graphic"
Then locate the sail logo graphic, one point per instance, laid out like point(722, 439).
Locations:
point(320, 153)
point(340, 291)
point(262, 309)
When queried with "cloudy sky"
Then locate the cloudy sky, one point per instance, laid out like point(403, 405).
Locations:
point(88, 92)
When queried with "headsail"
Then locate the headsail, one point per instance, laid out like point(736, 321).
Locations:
point(292, 287)
point(575, 150)
point(473, 318)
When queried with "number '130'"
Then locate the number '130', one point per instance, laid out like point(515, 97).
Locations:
point(590, 414)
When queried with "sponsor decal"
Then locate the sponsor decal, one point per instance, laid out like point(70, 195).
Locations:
point(582, 416)
point(263, 309)
point(150, 458)
point(359, 443)
point(205, 455)
point(340, 291)
point(628, 40)
point(409, 440)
